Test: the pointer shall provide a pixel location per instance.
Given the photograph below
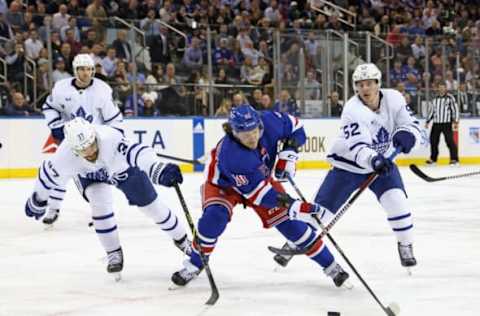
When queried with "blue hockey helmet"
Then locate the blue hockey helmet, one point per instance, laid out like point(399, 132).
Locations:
point(244, 118)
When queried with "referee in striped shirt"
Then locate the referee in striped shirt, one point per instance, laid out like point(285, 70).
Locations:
point(444, 114)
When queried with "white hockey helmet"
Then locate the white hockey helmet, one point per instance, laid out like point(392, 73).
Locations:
point(79, 134)
point(366, 71)
point(83, 60)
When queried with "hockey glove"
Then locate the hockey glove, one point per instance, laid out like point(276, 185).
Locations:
point(303, 211)
point(287, 164)
point(35, 208)
point(405, 140)
point(381, 165)
point(166, 174)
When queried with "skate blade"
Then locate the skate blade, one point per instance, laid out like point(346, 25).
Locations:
point(48, 227)
point(409, 271)
point(347, 285)
point(174, 287)
point(117, 276)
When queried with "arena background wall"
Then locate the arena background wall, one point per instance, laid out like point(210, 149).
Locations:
point(26, 142)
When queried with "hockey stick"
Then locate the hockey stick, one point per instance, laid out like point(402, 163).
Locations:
point(301, 251)
point(215, 294)
point(427, 178)
point(389, 310)
point(193, 162)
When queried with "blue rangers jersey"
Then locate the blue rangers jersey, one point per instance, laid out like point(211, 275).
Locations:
point(248, 172)
point(365, 133)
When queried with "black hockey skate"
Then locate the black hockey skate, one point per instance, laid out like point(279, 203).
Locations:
point(338, 275)
point(407, 258)
point(187, 274)
point(51, 217)
point(115, 263)
point(184, 244)
point(283, 260)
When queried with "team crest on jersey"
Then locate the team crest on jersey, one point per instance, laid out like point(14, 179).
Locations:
point(382, 141)
point(82, 113)
point(240, 180)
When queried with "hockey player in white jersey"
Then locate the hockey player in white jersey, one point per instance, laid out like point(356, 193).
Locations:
point(103, 157)
point(81, 96)
point(372, 123)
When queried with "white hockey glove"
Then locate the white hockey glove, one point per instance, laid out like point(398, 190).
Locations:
point(303, 211)
point(286, 164)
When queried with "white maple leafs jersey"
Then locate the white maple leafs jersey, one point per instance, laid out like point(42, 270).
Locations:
point(94, 104)
point(365, 133)
point(116, 154)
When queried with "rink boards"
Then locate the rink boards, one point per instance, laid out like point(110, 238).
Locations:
point(26, 142)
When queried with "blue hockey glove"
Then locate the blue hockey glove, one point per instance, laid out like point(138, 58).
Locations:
point(404, 140)
point(35, 208)
point(381, 165)
point(166, 174)
point(286, 164)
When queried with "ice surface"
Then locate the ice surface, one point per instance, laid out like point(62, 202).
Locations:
point(62, 272)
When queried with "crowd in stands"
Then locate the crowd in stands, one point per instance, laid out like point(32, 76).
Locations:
point(434, 41)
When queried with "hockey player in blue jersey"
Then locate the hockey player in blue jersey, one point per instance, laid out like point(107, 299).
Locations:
point(103, 157)
point(373, 122)
point(240, 172)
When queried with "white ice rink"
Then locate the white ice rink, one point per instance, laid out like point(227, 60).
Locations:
point(62, 272)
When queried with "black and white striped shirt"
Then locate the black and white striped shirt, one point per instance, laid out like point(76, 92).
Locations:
point(444, 109)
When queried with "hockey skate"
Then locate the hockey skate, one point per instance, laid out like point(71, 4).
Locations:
point(50, 217)
point(115, 263)
point(283, 260)
point(184, 244)
point(406, 256)
point(187, 274)
point(338, 275)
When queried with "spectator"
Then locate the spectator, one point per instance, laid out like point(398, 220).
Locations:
point(19, 107)
point(193, 57)
point(272, 13)
point(311, 87)
point(66, 54)
point(149, 108)
point(450, 82)
point(140, 77)
point(222, 56)
point(286, 104)
point(71, 25)
point(16, 64)
point(5, 29)
point(99, 72)
point(397, 74)
point(336, 106)
point(42, 76)
point(60, 73)
point(75, 45)
point(239, 99)
point(96, 12)
point(130, 102)
point(256, 99)
point(150, 25)
point(224, 108)
point(122, 47)
point(109, 62)
point(33, 45)
point(266, 102)
point(14, 16)
point(404, 49)
point(465, 100)
point(160, 46)
point(60, 19)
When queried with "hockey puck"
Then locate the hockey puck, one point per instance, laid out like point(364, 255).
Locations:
point(90, 224)
point(333, 314)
